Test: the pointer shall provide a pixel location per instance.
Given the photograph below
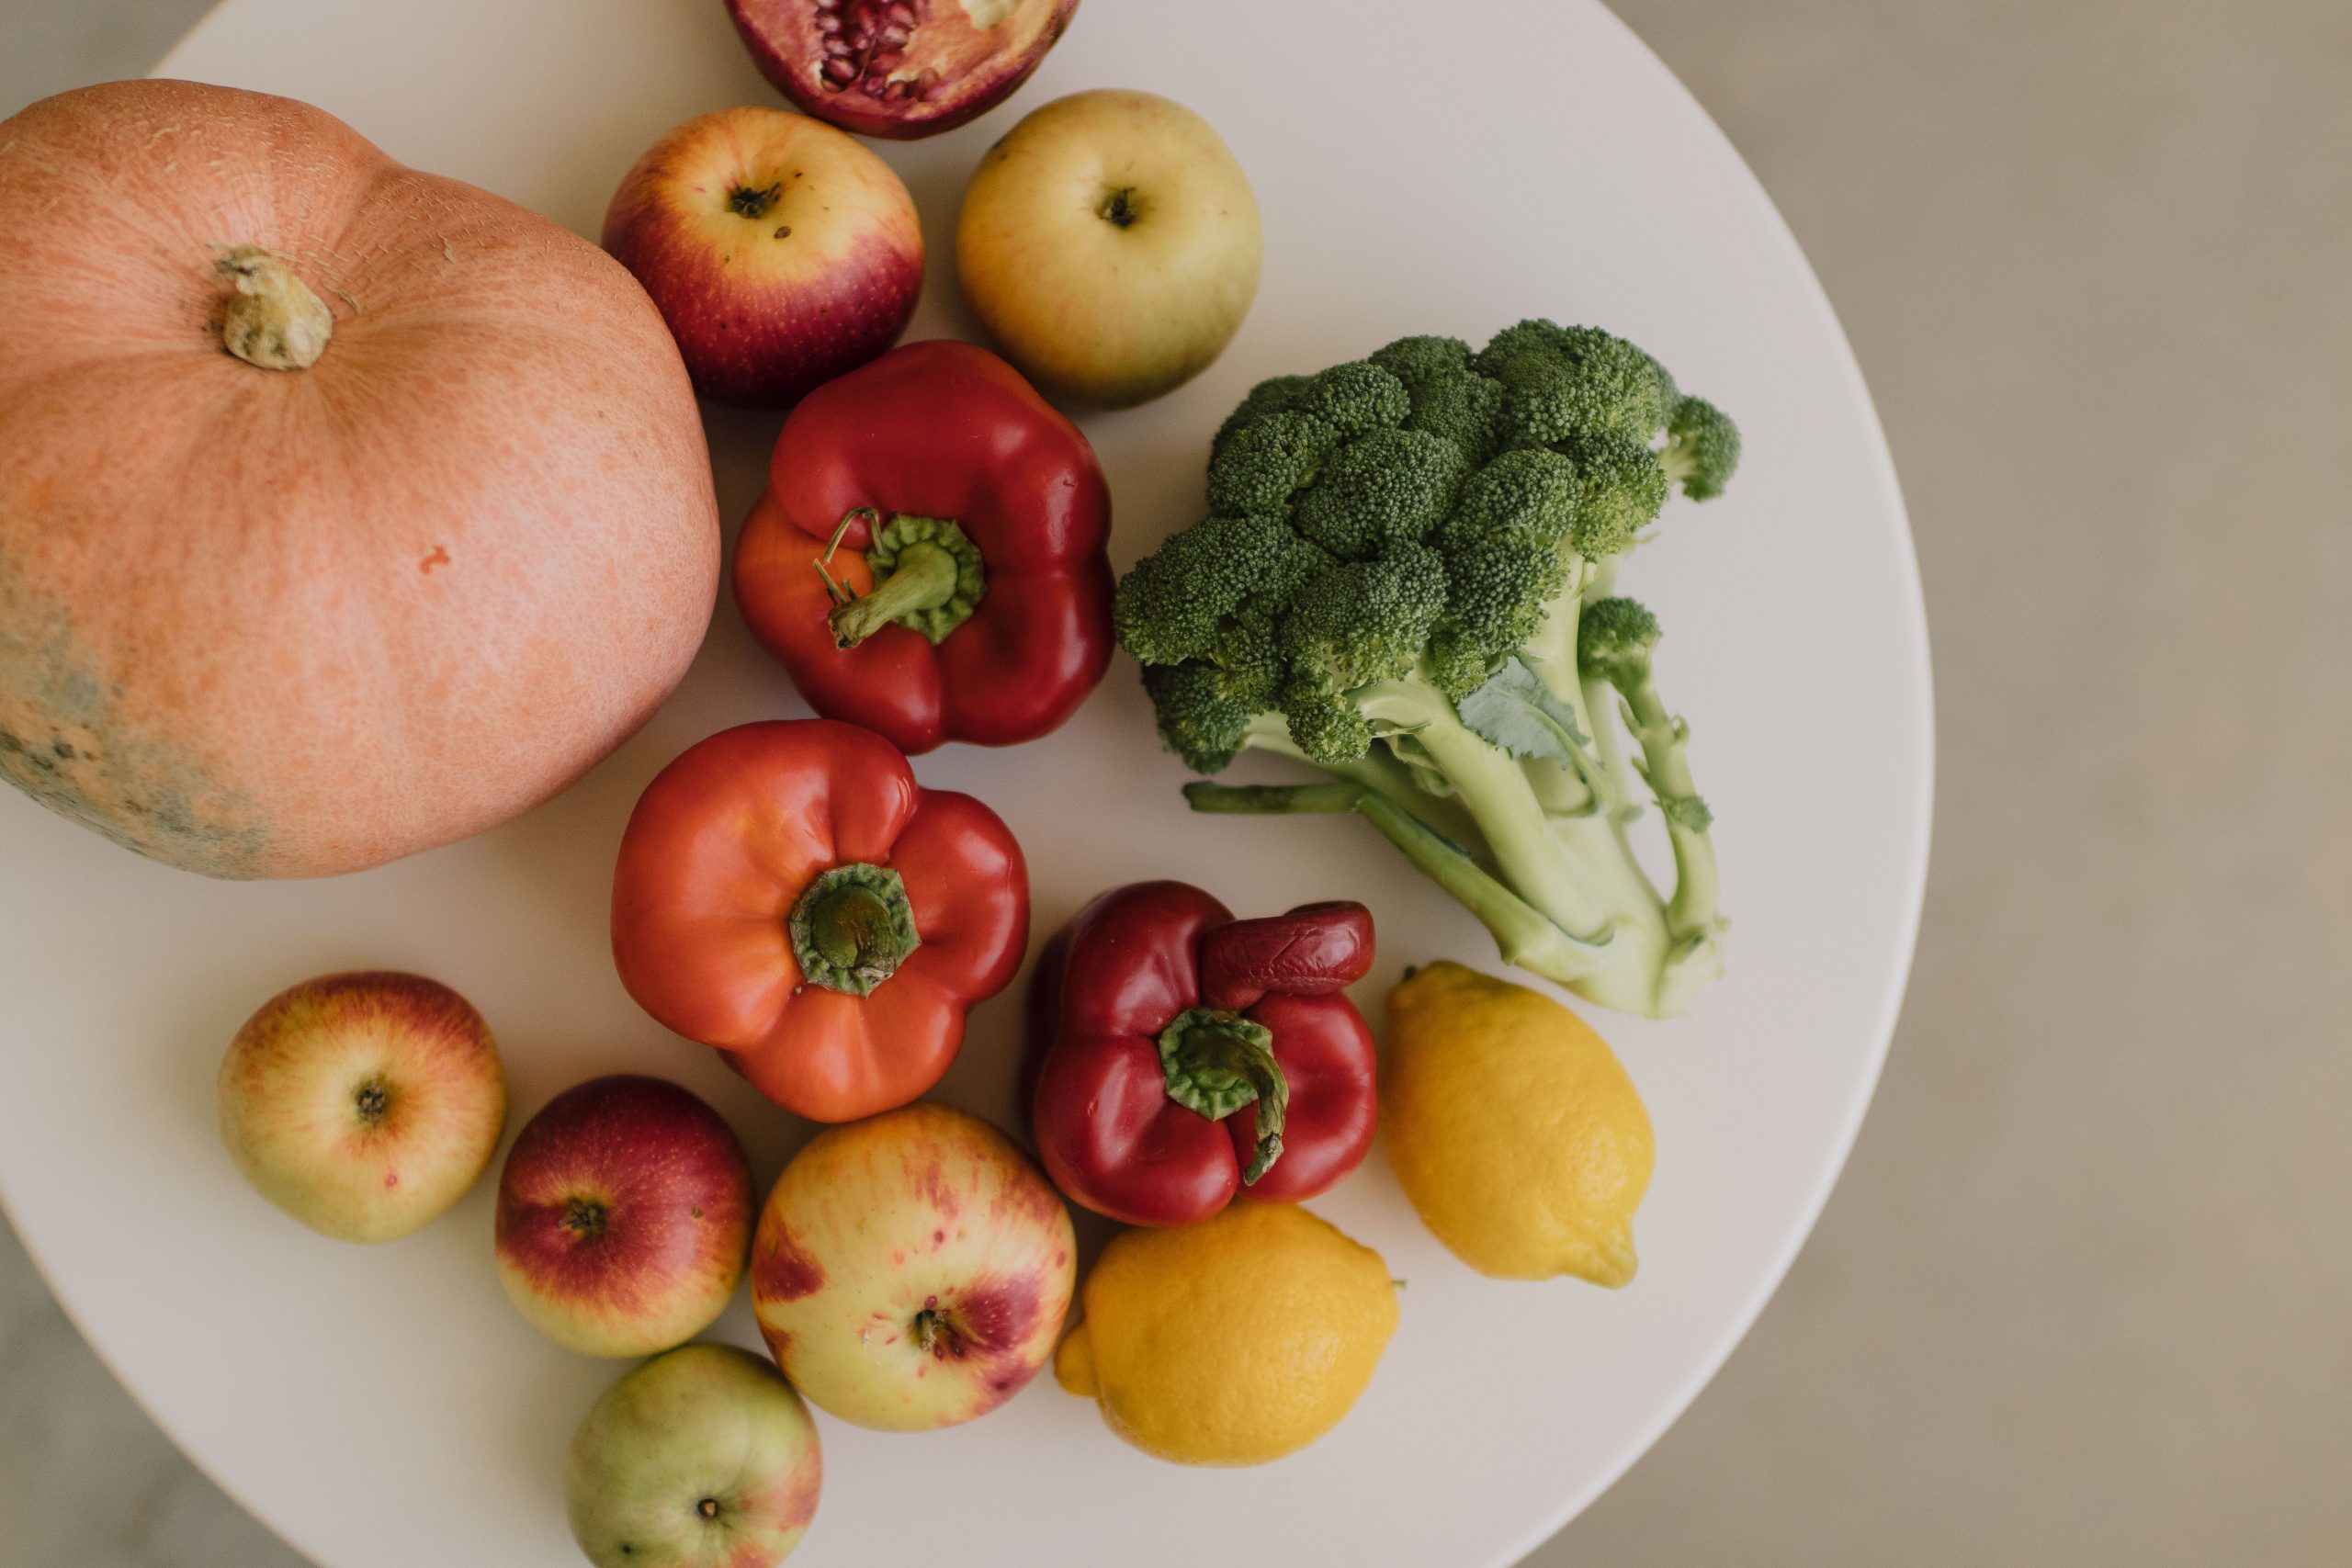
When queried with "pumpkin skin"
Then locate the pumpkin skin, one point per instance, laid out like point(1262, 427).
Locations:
point(293, 621)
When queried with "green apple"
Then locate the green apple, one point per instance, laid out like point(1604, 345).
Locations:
point(912, 1271)
point(703, 1458)
point(364, 1105)
point(1110, 244)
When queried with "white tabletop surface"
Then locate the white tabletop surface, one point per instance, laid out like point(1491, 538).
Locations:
point(2081, 1297)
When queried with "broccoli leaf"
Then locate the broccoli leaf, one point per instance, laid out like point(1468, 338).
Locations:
point(1517, 712)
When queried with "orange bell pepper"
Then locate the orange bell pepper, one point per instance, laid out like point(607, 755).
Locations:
point(788, 892)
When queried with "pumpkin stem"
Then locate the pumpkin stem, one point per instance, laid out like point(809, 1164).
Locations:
point(273, 319)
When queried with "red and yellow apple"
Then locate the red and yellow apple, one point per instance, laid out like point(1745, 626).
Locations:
point(912, 1271)
point(703, 1458)
point(1110, 244)
point(624, 1214)
point(364, 1105)
point(779, 250)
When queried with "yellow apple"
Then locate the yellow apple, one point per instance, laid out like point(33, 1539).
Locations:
point(1110, 244)
point(912, 1271)
point(364, 1105)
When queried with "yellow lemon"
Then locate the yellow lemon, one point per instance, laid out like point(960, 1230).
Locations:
point(1512, 1128)
point(1235, 1341)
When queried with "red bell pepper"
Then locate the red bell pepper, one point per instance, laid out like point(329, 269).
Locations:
point(1156, 1016)
point(788, 892)
point(928, 560)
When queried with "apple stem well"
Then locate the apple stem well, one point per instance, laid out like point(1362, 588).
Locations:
point(928, 576)
point(585, 1218)
point(1215, 1062)
point(750, 202)
point(372, 1102)
point(851, 928)
point(1120, 208)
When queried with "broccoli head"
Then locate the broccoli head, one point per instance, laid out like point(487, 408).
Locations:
point(1391, 586)
point(1396, 535)
point(1422, 509)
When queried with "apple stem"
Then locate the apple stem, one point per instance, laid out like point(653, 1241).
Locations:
point(585, 1218)
point(851, 928)
point(928, 576)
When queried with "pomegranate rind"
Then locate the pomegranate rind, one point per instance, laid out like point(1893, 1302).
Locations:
point(900, 69)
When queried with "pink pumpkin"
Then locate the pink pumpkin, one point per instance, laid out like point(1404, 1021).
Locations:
point(345, 510)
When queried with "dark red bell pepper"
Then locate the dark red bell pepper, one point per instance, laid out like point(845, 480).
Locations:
point(1182, 1055)
point(928, 560)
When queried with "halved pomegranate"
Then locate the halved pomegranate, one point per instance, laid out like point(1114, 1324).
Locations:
point(899, 68)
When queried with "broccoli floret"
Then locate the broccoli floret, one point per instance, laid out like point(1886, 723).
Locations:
point(1528, 492)
point(1267, 461)
point(1614, 638)
point(1353, 397)
point(1391, 586)
point(1324, 724)
point(1614, 643)
point(1702, 449)
point(1270, 396)
point(1179, 601)
point(1446, 396)
point(1621, 489)
point(1202, 718)
point(1413, 360)
point(1504, 562)
point(1499, 591)
point(1457, 662)
point(1571, 383)
point(1382, 487)
point(1364, 621)
point(1465, 410)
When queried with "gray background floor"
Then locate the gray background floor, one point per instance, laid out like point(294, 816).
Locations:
point(2082, 1296)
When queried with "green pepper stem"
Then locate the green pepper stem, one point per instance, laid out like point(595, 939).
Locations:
point(1215, 1063)
point(928, 576)
point(851, 928)
point(925, 581)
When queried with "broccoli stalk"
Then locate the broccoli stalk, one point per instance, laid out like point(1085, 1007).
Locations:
point(1407, 583)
